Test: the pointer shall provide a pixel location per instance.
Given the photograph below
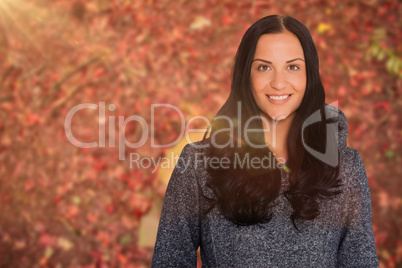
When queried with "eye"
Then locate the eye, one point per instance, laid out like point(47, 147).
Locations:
point(294, 67)
point(263, 67)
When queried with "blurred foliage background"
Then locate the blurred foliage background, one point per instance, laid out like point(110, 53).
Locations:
point(65, 206)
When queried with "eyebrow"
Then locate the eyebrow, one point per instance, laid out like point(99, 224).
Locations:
point(269, 62)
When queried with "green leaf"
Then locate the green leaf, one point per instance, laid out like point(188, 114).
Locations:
point(389, 154)
point(126, 240)
point(381, 55)
point(375, 49)
point(389, 64)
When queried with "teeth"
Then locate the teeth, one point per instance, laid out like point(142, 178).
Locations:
point(279, 97)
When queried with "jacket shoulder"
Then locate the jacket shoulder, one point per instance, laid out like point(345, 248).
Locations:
point(352, 169)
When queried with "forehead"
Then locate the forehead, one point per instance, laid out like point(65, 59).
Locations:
point(283, 44)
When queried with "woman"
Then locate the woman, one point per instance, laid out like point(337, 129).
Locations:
point(275, 184)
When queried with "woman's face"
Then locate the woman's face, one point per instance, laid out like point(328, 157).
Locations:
point(278, 75)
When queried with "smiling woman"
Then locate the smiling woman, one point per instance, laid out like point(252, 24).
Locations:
point(313, 210)
point(278, 82)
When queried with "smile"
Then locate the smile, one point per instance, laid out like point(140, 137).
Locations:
point(282, 97)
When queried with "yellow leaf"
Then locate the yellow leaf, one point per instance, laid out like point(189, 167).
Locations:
point(200, 22)
point(323, 27)
point(48, 252)
point(64, 243)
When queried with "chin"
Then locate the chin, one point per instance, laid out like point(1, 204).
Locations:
point(278, 117)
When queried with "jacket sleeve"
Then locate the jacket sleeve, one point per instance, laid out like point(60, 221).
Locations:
point(357, 247)
point(178, 235)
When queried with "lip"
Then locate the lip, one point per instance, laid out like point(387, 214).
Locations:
point(279, 101)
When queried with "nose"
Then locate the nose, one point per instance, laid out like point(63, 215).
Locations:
point(278, 81)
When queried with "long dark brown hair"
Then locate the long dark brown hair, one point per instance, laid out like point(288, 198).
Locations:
point(244, 195)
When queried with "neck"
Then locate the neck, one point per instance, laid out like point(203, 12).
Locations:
point(278, 133)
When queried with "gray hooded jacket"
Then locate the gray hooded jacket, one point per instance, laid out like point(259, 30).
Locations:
point(341, 236)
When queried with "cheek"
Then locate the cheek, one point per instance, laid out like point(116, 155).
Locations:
point(258, 83)
point(299, 83)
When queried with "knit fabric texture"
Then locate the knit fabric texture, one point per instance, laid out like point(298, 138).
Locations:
point(341, 236)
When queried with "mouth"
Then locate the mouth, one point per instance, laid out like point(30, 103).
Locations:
point(281, 97)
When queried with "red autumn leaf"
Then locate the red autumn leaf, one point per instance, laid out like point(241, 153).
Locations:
point(110, 208)
point(382, 104)
point(29, 185)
